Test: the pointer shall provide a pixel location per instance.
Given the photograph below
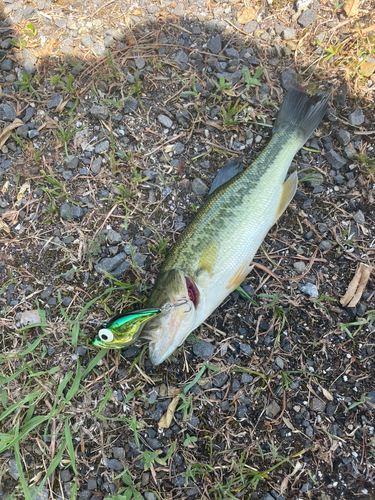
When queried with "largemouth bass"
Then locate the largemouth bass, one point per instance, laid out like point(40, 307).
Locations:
point(213, 255)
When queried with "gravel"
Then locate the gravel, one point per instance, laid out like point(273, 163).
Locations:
point(203, 349)
point(165, 121)
point(356, 118)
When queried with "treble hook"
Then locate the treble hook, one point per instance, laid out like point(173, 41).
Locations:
point(168, 306)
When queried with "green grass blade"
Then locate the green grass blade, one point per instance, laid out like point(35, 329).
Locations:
point(69, 445)
point(17, 457)
point(94, 362)
point(75, 385)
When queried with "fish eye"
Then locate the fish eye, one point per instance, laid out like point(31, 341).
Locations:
point(105, 335)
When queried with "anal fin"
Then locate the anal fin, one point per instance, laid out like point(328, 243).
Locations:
point(289, 190)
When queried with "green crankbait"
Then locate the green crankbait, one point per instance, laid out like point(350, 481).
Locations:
point(124, 329)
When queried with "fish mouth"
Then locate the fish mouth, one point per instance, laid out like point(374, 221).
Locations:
point(167, 332)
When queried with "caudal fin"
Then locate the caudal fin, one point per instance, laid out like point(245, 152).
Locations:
point(301, 113)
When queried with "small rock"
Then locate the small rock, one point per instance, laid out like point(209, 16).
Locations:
point(241, 411)
point(165, 121)
point(113, 463)
point(330, 410)
point(32, 134)
point(249, 28)
point(232, 53)
point(246, 349)
point(325, 245)
point(140, 62)
point(109, 264)
point(309, 289)
point(203, 349)
point(279, 362)
point(69, 212)
point(288, 78)
point(343, 137)
point(100, 112)
point(199, 187)
point(181, 57)
point(317, 405)
point(371, 398)
point(12, 469)
point(29, 61)
point(307, 18)
point(214, 45)
point(6, 65)
point(220, 379)
point(7, 113)
point(246, 378)
point(102, 147)
point(299, 266)
point(335, 160)
point(289, 34)
point(272, 410)
point(96, 165)
point(81, 351)
point(130, 105)
point(61, 23)
point(178, 148)
point(179, 10)
point(357, 117)
point(92, 484)
point(29, 113)
point(118, 452)
point(73, 164)
point(65, 475)
point(359, 217)
point(87, 41)
point(131, 352)
point(113, 237)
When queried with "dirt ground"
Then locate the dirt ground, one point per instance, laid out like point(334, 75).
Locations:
point(115, 119)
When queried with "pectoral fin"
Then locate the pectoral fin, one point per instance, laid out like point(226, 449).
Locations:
point(289, 190)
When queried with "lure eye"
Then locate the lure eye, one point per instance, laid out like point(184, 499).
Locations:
point(105, 335)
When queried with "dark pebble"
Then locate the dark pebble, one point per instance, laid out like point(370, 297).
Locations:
point(113, 463)
point(220, 379)
point(288, 78)
point(131, 352)
point(203, 349)
point(214, 45)
point(307, 18)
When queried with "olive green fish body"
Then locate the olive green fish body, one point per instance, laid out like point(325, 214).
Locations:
point(213, 255)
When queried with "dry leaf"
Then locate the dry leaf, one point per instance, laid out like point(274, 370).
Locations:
point(22, 191)
point(356, 286)
point(367, 67)
point(245, 15)
point(288, 423)
point(327, 394)
point(30, 318)
point(351, 7)
point(166, 419)
point(4, 189)
point(4, 226)
point(4, 135)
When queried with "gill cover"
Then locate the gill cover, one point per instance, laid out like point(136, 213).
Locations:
point(123, 329)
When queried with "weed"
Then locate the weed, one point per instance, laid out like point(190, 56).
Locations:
point(56, 191)
point(18, 141)
point(67, 84)
point(30, 30)
point(137, 89)
point(229, 114)
point(66, 134)
point(161, 245)
point(111, 64)
point(223, 87)
point(19, 44)
point(26, 84)
point(252, 81)
point(190, 440)
point(279, 315)
point(129, 490)
point(186, 406)
point(149, 457)
point(365, 165)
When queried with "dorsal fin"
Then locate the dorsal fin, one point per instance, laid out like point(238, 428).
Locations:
point(226, 173)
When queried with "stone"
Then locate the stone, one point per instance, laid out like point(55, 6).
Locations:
point(178, 148)
point(335, 160)
point(22, 131)
point(32, 134)
point(99, 49)
point(140, 63)
point(250, 27)
point(100, 112)
point(113, 463)
point(246, 349)
point(12, 469)
point(65, 475)
point(272, 410)
point(357, 117)
point(118, 452)
point(241, 411)
point(91, 484)
point(181, 57)
point(288, 78)
point(299, 266)
point(102, 147)
point(307, 18)
point(7, 113)
point(29, 61)
point(113, 237)
point(96, 165)
point(309, 289)
point(371, 399)
point(131, 352)
point(179, 10)
point(73, 164)
point(6, 65)
point(214, 44)
point(317, 405)
point(289, 34)
point(61, 23)
point(203, 349)
point(109, 264)
point(359, 217)
point(165, 121)
point(343, 137)
point(130, 105)
point(29, 113)
point(330, 410)
point(81, 351)
point(220, 379)
point(325, 245)
point(69, 212)
point(87, 41)
point(232, 53)
point(246, 378)
point(199, 187)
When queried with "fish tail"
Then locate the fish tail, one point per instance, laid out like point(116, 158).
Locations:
point(300, 113)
